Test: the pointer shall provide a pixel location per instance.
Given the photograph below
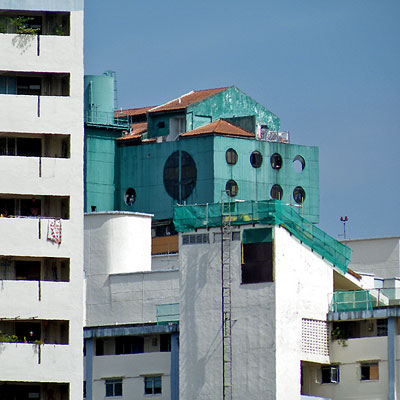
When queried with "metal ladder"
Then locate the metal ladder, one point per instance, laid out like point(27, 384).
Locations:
point(226, 237)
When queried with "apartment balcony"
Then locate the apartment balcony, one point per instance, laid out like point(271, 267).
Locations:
point(44, 175)
point(34, 233)
point(136, 364)
point(33, 362)
point(28, 299)
point(362, 300)
point(37, 113)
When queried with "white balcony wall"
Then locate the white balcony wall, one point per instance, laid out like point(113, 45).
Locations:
point(21, 299)
point(132, 368)
point(14, 231)
point(22, 359)
point(21, 175)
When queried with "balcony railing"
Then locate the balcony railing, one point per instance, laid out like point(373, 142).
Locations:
point(94, 117)
point(360, 300)
point(167, 313)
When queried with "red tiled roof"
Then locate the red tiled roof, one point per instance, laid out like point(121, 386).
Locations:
point(219, 127)
point(136, 131)
point(186, 100)
point(132, 111)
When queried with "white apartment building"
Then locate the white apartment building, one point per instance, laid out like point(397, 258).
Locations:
point(41, 199)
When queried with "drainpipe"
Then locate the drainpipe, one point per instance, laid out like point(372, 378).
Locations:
point(175, 366)
point(391, 348)
point(89, 368)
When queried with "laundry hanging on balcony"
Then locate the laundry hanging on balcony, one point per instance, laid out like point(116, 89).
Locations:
point(54, 230)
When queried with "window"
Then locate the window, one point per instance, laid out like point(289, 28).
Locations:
point(231, 188)
point(257, 256)
point(330, 374)
point(130, 197)
point(298, 164)
point(180, 174)
point(231, 157)
point(299, 195)
point(381, 327)
point(369, 371)
point(165, 342)
point(152, 385)
point(200, 238)
point(276, 192)
point(276, 161)
point(256, 159)
point(129, 345)
point(113, 387)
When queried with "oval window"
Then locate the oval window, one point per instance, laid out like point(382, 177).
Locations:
point(299, 195)
point(231, 188)
point(180, 175)
point(256, 159)
point(231, 157)
point(276, 192)
point(130, 197)
point(298, 164)
point(276, 161)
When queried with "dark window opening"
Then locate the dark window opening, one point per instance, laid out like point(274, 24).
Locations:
point(299, 195)
point(161, 125)
point(99, 347)
point(231, 157)
point(257, 262)
point(180, 175)
point(129, 344)
point(382, 327)
point(231, 188)
point(130, 197)
point(27, 270)
point(29, 86)
point(276, 192)
point(369, 371)
point(152, 385)
point(256, 159)
point(113, 387)
point(93, 208)
point(330, 374)
point(276, 161)
point(165, 343)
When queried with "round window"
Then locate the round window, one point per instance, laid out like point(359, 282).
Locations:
point(298, 164)
point(130, 197)
point(299, 195)
point(231, 188)
point(256, 159)
point(180, 175)
point(231, 157)
point(276, 161)
point(276, 192)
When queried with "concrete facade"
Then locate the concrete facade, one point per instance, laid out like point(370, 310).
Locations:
point(41, 290)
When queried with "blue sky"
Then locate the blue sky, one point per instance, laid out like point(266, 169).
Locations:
point(329, 70)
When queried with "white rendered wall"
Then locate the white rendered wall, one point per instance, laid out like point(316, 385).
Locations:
point(267, 319)
point(20, 236)
point(376, 256)
point(120, 287)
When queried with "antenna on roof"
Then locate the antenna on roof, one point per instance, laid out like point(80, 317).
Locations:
point(344, 220)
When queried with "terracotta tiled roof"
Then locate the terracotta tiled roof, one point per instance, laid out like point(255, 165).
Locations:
point(186, 100)
point(136, 131)
point(133, 111)
point(219, 127)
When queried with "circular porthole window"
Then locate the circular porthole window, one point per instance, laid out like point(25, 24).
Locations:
point(276, 192)
point(180, 175)
point(231, 188)
point(130, 197)
point(231, 157)
point(256, 159)
point(299, 195)
point(298, 164)
point(276, 161)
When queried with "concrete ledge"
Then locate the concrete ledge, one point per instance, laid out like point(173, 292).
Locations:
point(386, 312)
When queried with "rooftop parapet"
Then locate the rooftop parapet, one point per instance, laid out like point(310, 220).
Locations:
point(268, 212)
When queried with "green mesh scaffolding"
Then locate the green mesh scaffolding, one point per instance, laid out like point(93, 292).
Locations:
point(269, 212)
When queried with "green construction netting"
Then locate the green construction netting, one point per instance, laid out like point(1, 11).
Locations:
point(354, 300)
point(269, 212)
point(257, 235)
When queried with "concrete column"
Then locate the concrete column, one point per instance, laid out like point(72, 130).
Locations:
point(391, 358)
point(89, 368)
point(175, 366)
